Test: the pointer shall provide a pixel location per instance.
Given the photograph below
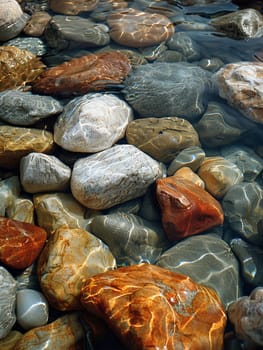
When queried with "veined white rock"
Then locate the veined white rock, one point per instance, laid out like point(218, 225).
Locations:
point(113, 176)
point(92, 123)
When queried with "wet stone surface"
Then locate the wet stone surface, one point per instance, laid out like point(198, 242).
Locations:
point(131, 174)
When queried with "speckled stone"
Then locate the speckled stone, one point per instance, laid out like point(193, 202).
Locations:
point(134, 28)
point(65, 332)
point(152, 86)
point(240, 84)
point(243, 24)
point(190, 157)
point(247, 317)
point(58, 209)
point(8, 289)
point(208, 260)
point(18, 67)
point(221, 125)
point(187, 209)
point(32, 309)
point(243, 211)
point(64, 32)
point(34, 45)
point(151, 307)
point(69, 258)
point(162, 138)
point(250, 257)
point(9, 190)
point(246, 159)
point(43, 173)
point(219, 175)
point(92, 123)
point(17, 142)
point(24, 108)
point(131, 239)
point(20, 243)
point(113, 176)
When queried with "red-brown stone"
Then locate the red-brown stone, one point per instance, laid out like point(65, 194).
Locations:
point(186, 208)
point(149, 307)
point(20, 243)
point(85, 74)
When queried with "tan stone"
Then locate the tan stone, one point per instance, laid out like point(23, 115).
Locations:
point(9, 342)
point(219, 174)
point(59, 209)
point(69, 258)
point(149, 307)
point(74, 7)
point(162, 138)
point(188, 174)
point(17, 142)
point(22, 209)
point(65, 332)
point(241, 85)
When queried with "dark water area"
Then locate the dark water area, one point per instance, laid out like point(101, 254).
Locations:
point(194, 100)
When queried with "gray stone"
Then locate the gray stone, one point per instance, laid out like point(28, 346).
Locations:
point(208, 260)
point(131, 239)
point(243, 208)
point(9, 190)
point(25, 108)
point(180, 87)
point(92, 123)
point(246, 159)
point(42, 173)
point(34, 45)
point(184, 44)
point(113, 176)
point(74, 31)
point(8, 289)
point(221, 125)
point(250, 258)
point(191, 157)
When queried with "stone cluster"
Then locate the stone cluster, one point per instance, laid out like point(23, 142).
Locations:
point(131, 185)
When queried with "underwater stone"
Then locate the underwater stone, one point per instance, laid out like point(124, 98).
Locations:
point(152, 86)
point(151, 307)
point(113, 176)
point(8, 289)
point(190, 157)
point(24, 108)
point(72, 7)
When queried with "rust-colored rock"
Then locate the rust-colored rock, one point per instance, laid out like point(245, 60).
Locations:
point(18, 67)
point(20, 243)
point(149, 307)
point(135, 28)
point(186, 208)
point(85, 74)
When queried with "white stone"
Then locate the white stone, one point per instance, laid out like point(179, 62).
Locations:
point(9, 190)
point(31, 309)
point(40, 172)
point(113, 176)
point(92, 123)
point(8, 287)
point(21, 210)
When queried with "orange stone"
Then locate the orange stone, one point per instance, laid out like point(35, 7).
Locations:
point(85, 74)
point(186, 208)
point(20, 243)
point(149, 307)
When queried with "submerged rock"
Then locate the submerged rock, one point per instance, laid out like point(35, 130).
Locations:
point(151, 307)
point(150, 87)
